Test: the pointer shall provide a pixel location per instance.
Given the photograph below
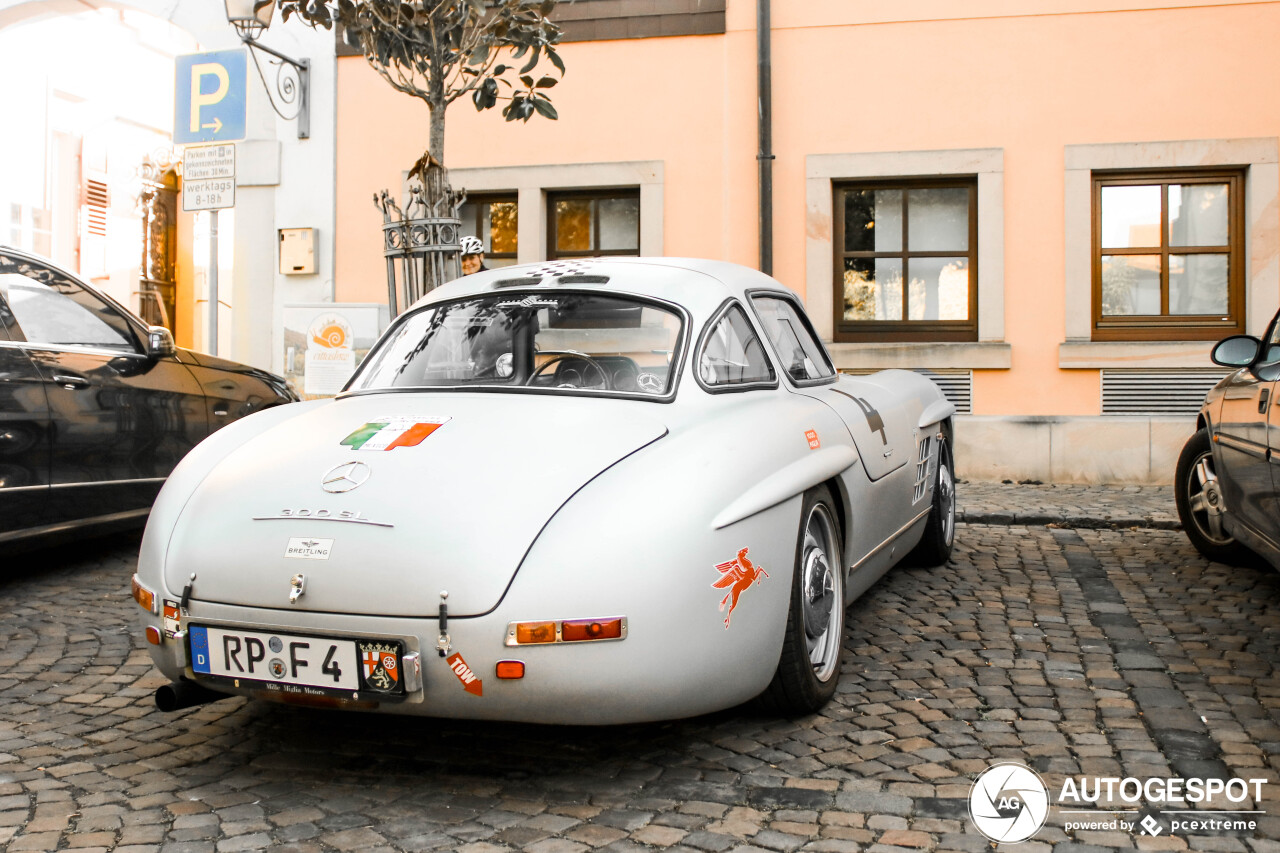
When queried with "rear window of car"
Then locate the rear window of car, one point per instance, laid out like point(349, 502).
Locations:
point(570, 343)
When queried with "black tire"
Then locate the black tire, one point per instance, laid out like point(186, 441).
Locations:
point(809, 666)
point(1200, 504)
point(934, 548)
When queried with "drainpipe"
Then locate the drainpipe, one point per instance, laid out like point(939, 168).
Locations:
point(764, 88)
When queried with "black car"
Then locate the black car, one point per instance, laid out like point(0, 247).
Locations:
point(96, 407)
point(1228, 477)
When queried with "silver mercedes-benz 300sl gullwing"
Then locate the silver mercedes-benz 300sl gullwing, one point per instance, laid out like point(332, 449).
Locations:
point(599, 491)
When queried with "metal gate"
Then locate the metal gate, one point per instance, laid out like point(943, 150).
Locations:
point(158, 205)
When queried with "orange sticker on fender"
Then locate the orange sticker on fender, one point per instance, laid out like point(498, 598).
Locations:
point(470, 681)
point(737, 576)
point(812, 435)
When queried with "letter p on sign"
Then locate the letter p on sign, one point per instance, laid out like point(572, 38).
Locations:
point(198, 98)
point(209, 97)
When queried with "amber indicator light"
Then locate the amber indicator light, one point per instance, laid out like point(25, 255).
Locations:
point(590, 629)
point(146, 598)
point(535, 632)
point(510, 669)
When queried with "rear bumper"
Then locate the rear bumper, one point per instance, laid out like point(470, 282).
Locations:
point(592, 683)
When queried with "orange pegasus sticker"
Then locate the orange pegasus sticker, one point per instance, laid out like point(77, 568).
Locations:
point(737, 576)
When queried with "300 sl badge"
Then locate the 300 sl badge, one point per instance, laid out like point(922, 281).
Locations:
point(348, 515)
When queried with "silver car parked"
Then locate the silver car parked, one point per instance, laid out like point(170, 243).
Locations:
point(1228, 476)
point(598, 491)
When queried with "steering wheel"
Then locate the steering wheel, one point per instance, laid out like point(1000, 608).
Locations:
point(564, 356)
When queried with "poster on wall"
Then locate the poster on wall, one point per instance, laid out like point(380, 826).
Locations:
point(324, 342)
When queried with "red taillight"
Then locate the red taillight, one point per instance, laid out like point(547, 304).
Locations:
point(568, 631)
point(153, 635)
point(590, 629)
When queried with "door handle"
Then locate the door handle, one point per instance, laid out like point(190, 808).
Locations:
point(1263, 397)
point(71, 383)
point(221, 411)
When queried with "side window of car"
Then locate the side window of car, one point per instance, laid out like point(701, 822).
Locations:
point(731, 354)
point(1271, 347)
point(1267, 367)
point(9, 330)
point(798, 350)
point(51, 309)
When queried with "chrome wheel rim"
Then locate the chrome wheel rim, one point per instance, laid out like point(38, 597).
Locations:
point(821, 593)
point(946, 499)
point(1204, 499)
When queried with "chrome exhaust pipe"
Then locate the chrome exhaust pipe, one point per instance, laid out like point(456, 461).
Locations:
point(184, 694)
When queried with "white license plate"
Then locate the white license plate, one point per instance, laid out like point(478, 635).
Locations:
point(280, 658)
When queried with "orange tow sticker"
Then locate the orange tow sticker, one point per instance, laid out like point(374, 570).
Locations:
point(470, 681)
point(812, 435)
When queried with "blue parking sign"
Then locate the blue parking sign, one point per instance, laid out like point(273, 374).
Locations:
point(209, 97)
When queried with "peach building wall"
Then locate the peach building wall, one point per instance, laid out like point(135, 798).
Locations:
point(849, 76)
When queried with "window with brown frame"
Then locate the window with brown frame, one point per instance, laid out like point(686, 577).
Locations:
point(906, 260)
point(492, 218)
point(585, 224)
point(1168, 259)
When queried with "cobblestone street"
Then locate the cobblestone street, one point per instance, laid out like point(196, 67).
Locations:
point(1078, 651)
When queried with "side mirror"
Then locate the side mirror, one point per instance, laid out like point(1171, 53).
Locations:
point(1236, 351)
point(160, 342)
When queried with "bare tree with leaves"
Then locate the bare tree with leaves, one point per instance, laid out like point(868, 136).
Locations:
point(442, 50)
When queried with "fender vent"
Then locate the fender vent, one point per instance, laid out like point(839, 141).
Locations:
point(955, 385)
point(922, 468)
point(1156, 392)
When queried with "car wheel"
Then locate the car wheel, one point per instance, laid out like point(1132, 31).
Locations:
point(934, 548)
point(1200, 506)
point(809, 666)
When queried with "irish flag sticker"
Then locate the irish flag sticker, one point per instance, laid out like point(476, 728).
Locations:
point(394, 431)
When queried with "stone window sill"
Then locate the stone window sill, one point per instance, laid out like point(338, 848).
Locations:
point(938, 356)
point(1093, 355)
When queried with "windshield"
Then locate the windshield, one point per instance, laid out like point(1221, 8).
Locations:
point(569, 342)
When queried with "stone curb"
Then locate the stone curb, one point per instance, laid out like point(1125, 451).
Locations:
point(1071, 521)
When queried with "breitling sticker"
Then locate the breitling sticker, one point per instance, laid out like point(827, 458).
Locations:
point(380, 667)
point(306, 548)
point(737, 576)
point(393, 431)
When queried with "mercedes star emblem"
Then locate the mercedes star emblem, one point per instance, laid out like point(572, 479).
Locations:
point(345, 477)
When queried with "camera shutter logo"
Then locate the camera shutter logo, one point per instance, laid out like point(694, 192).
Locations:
point(1008, 802)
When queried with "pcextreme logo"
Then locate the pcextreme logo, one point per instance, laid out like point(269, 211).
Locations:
point(1009, 803)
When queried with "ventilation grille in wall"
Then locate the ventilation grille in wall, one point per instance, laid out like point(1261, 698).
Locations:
point(956, 385)
point(96, 202)
point(1156, 392)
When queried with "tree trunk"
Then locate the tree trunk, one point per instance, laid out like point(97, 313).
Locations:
point(436, 139)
